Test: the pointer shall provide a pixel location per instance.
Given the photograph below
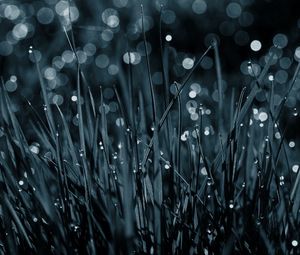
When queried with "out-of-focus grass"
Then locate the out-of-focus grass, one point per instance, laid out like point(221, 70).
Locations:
point(146, 190)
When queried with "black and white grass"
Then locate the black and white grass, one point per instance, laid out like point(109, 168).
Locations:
point(123, 166)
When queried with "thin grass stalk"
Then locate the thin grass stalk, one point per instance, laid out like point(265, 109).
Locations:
point(166, 112)
point(153, 101)
point(220, 85)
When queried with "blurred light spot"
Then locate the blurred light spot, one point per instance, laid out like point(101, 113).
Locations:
point(113, 106)
point(173, 89)
point(233, 10)
point(188, 63)
point(255, 45)
point(45, 15)
point(74, 13)
point(107, 35)
point(68, 56)
point(281, 76)
point(207, 63)
point(110, 17)
point(105, 107)
point(191, 104)
point(215, 96)
point(20, 31)
point(133, 57)
point(192, 110)
point(50, 73)
point(168, 17)
point(280, 41)
point(196, 87)
point(254, 69)
point(199, 6)
point(297, 54)
point(102, 61)
point(120, 122)
point(210, 38)
point(113, 69)
point(82, 57)
point(194, 116)
point(246, 19)
point(168, 38)
point(11, 86)
point(58, 62)
point(21, 182)
point(5, 48)
point(35, 55)
point(11, 12)
point(62, 79)
point(148, 24)
point(13, 78)
point(89, 49)
point(285, 62)
point(75, 120)
point(113, 21)
point(57, 99)
point(62, 8)
point(120, 3)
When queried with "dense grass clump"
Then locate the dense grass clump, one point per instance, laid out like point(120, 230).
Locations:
point(145, 180)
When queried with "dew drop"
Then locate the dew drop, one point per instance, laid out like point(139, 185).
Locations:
point(167, 166)
point(292, 144)
point(168, 38)
point(294, 243)
point(295, 168)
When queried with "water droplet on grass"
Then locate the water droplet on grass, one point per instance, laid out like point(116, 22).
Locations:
point(168, 38)
point(167, 166)
point(292, 144)
point(34, 148)
point(295, 168)
point(294, 243)
point(203, 171)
